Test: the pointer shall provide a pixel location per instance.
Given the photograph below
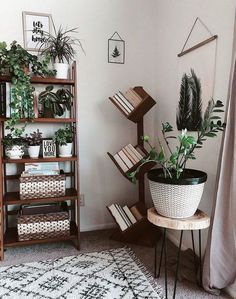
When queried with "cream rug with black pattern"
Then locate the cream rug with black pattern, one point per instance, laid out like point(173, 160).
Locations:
point(110, 274)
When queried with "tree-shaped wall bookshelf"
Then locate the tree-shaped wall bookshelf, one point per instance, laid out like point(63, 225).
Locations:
point(134, 104)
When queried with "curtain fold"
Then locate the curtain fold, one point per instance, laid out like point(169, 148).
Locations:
point(219, 269)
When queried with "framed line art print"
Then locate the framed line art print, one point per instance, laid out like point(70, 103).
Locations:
point(34, 27)
point(116, 49)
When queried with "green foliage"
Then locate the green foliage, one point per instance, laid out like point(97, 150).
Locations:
point(15, 61)
point(9, 141)
point(60, 46)
point(55, 103)
point(174, 163)
point(34, 138)
point(189, 115)
point(64, 136)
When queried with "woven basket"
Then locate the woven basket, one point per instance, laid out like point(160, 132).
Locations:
point(176, 198)
point(43, 226)
point(42, 186)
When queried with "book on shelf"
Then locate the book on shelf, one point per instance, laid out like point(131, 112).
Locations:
point(134, 210)
point(133, 97)
point(136, 151)
point(123, 104)
point(129, 214)
point(120, 162)
point(130, 156)
point(119, 220)
point(123, 215)
point(120, 106)
point(40, 169)
point(125, 159)
point(5, 99)
point(132, 152)
point(126, 101)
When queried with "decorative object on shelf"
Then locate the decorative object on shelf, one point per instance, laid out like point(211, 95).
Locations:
point(34, 141)
point(34, 27)
point(50, 103)
point(64, 138)
point(174, 183)
point(49, 148)
point(116, 49)
point(36, 222)
point(42, 186)
point(16, 62)
point(60, 48)
point(14, 147)
point(189, 115)
point(38, 169)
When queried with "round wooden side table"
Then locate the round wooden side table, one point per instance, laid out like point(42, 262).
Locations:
point(198, 221)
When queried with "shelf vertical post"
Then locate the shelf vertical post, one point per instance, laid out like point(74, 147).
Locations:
point(1, 200)
point(141, 182)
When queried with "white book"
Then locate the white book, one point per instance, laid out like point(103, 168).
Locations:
point(137, 154)
point(121, 106)
point(129, 155)
point(122, 103)
point(125, 159)
point(123, 226)
point(129, 214)
point(123, 215)
point(121, 163)
point(123, 98)
point(128, 149)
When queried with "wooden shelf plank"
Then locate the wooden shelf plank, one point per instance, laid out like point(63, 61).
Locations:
point(26, 159)
point(43, 120)
point(11, 237)
point(13, 198)
point(40, 80)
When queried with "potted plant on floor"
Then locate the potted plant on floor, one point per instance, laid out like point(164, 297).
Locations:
point(176, 190)
point(60, 47)
point(14, 146)
point(64, 138)
point(34, 141)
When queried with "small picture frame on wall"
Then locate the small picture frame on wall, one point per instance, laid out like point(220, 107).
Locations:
point(49, 148)
point(116, 49)
point(35, 25)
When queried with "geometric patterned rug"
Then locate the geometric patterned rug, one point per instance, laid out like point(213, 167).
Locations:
point(109, 274)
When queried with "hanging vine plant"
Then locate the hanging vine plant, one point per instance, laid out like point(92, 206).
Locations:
point(16, 62)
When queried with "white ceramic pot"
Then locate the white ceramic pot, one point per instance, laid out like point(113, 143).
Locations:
point(65, 150)
point(15, 152)
point(33, 151)
point(62, 70)
point(174, 198)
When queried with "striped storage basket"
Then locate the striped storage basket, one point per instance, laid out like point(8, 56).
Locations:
point(42, 186)
point(43, 226)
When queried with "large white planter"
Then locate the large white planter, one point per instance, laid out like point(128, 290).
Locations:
point(62, 70)
point(177, 198)
point(33, 151)
point(15, 152)
point(65, 150)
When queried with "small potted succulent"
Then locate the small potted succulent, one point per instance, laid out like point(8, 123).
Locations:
point(14, 146)
point(34, 141)
point(64, 138)
point(60, 47)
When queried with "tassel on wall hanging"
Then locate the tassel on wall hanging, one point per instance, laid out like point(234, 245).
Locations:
point(116, 49)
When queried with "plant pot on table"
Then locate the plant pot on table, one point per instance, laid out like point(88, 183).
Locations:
point(177, 198)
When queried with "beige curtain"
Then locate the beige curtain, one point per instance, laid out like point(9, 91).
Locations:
point(219, 268)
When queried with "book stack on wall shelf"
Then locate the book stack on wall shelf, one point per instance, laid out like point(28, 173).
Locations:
point(132, 223)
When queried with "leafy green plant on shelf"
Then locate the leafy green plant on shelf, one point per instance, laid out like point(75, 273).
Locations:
point(54, 103)
point(64, 136)
point(174, 163)
point(16, 62)
point(34, 138)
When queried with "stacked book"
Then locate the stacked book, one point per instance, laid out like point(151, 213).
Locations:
point(125, 217)
point(127, 101)
point(41, 169)
point(128, 156)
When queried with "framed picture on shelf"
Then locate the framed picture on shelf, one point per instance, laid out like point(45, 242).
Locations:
point(116, 49)
point(35, 25)
point(49, 148)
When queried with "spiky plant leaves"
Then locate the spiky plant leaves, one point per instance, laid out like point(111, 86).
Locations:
point(183, 114)
point(196, 103)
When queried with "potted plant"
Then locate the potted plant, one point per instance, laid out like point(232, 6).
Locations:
point(64, 138)
point(60, 47)
point(55, 103)
point(14, 146)
point(176, 190)
point(16, 62)
point(34, 141)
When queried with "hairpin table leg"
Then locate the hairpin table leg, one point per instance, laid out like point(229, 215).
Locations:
point(194, 252)
point(166, 289)
point(200, 257)
point(160, 262)
point(177, 267)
